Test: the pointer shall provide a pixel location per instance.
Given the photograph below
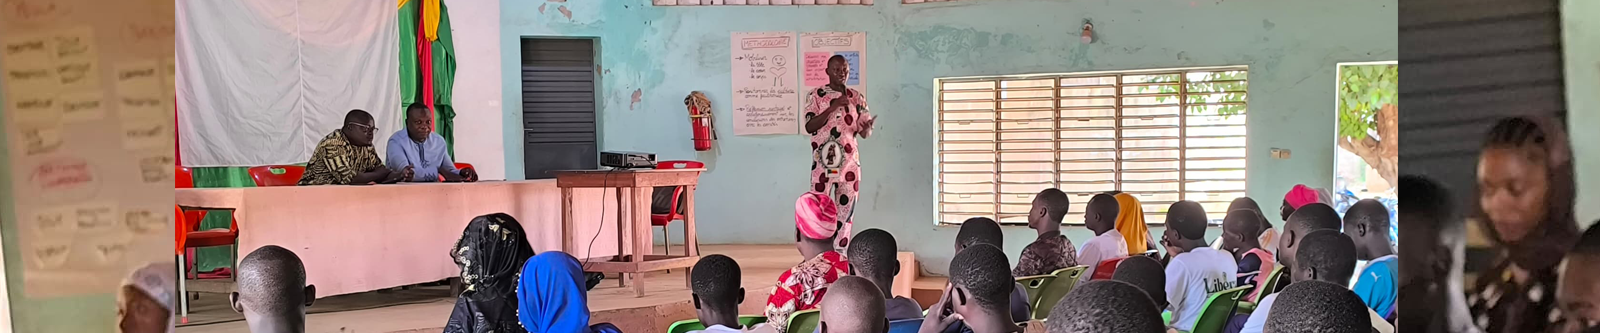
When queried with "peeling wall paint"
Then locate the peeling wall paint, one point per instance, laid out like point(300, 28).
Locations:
point(663, 53)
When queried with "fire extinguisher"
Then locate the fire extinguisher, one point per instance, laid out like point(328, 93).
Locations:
point(700, 120)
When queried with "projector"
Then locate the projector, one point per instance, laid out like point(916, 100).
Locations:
point(627, 159)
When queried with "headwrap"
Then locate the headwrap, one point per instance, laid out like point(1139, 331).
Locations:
point(552, 297)
point(816, 216)
point(158, 281)
point(1130, 223)
point(489, 253)
point(1547, 243)
point(1301, 195)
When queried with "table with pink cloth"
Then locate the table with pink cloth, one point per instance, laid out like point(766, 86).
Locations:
point(363, 238)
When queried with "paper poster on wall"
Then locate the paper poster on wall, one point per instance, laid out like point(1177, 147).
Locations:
point(818, 47)
point(764, 84)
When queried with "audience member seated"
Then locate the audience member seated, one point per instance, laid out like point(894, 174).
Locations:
point(1433, 301)
point(853, 307)
point(1106, 306)
point(1308, 218)
point(1298, 197)
point(977, 299)
point(550, 297)
point(1147, 274)
point(1239, 237)
point(424, 153)
point(1367, 223)
point(1195, 270)
point(145, 304)
point(1578, 289)
point(1052, 250)
point(1101, 217)
point(717, 292)
point(1318, 307)
point(872, 256)
point(1130, 223)
point(490, 252)
point(983, 230)
point(1323, 255)
point(802, 287)
point(273, 294)
point(1269, 235)
point(346, 156)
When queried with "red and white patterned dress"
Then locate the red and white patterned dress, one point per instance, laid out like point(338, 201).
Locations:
point(801, 288)
point(835, 162)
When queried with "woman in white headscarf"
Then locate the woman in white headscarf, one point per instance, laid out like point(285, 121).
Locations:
point(145, 301)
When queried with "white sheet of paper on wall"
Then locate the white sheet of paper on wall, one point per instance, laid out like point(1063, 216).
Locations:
point(34, 109)
point(35, 141)
point(145, 221)
point(146, 133)
point(50, 254)
point(64, 178)
point(97, 218)
point(55, 222)
point(27, 51)
point(139, 91)
point(109, 250)
point(31, 80)
point(156, 167)
point(82, 106)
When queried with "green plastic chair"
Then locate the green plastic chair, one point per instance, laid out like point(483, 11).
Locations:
point(1218, 309)
point(1275, 282)
point(1166, 318)
point(1065, 279)
point(690, 325)
point(803, 321)
point(1035, 285)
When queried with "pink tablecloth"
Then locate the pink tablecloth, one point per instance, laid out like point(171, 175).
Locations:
point(363, 238)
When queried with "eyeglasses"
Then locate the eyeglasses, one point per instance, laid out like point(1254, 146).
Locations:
point(364, 127)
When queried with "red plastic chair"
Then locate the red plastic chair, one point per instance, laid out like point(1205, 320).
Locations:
point(277, 175)
point(663, 220)
point(184, 178)
point(188, 236)
point(1103, 270)
point(461, 166)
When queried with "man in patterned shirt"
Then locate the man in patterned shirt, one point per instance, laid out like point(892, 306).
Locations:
point(1052, 250)
point(346, 156)
point(802, 287)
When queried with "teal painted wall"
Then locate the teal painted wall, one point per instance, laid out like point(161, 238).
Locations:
point(660, 54)
point(1580, 30)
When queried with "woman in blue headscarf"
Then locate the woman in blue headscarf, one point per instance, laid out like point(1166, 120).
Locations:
point(551, 296)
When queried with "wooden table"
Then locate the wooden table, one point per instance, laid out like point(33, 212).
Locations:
point(361, 238)
point(634, 238)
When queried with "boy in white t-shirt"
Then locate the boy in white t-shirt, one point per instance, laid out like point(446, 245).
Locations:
point(1195, 271)
point(1101, 218)
point(716, 290)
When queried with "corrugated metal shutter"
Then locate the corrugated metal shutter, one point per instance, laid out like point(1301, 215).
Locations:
point(558, 106)
point(1465, 64)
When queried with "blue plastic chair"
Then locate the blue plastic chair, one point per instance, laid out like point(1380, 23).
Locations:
point(905, 325)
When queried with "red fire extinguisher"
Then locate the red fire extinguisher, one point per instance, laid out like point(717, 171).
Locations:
point(700, 120)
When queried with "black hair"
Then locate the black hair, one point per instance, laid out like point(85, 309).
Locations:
point(1589, 242)
point(979, 230)
point(1330, 252)
point(1245, 222)
point(358, 116)
point(1106, 205)
point(1056, 203)
point(838, 57)
point(1544, 141)
point(1369, 211)
point(1318, 307)
point(1314, 216)
point(984, 271)
point(856, 299)
point(716, 281)
point(416, 106)
point(272, 279)
point(1104, 306)
point(1430, 201)
point(1147, 274)
point(1188, 218)
point(872, 254)
point(1248, 203)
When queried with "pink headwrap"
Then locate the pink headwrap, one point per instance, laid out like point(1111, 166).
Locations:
point(816, 216)
point(1301, 195)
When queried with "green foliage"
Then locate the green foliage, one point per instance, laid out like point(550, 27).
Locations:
point(1208, 87)
point(1362, 91)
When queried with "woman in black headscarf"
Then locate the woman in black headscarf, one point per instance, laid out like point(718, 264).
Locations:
point(491, 252)
point(1525, 199)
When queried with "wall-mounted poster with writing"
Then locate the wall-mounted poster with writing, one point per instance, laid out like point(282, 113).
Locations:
point(817, 47)
point(764, 87)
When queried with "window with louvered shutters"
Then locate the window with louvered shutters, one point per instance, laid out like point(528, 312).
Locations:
point(1161, 135)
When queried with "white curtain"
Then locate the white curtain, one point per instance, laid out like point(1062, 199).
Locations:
point(261, 81)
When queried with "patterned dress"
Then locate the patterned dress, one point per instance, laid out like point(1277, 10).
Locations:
point(835, 162)
point(1050, 252)
point(336, 161)
point(1500, 304)
point(801, 288)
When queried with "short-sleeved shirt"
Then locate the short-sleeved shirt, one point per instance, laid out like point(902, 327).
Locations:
point(1377, 283)
point(336, 161)
point(424, 157)
point(1050, 252)
point(802, 287)
point(1106, 246)
point(1191, 278)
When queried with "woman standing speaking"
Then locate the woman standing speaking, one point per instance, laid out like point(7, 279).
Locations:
point(835, 116)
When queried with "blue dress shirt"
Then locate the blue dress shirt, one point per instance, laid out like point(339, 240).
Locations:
point(425, 157)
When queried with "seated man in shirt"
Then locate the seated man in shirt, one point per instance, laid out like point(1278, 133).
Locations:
point(425, 152)
point(1196, 270)
point(1377, 267)
point(1323, 255)
point(983, 230)
point(1052, 250)
point(1318, 307)
point(346, 157)
point(1101, 218)
point(872, 256)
